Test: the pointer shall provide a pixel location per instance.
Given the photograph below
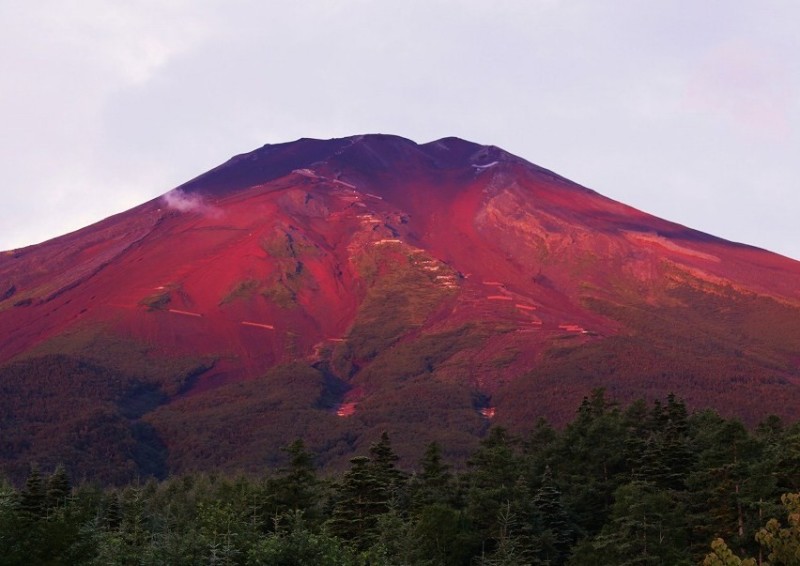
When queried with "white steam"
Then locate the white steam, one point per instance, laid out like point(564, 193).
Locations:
point(176, 199)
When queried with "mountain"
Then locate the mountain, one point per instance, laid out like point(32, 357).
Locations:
point(332, 289)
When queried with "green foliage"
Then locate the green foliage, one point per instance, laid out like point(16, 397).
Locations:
point(494, 488)
point(399, 299)
point(157, 301)
point(361, 499)
point(647, 484)
point(783, 542)
point(721, 555)
point(423, 356)
point(287, 248)
point(554, 532)
point(726, 484)
point(780, 542)
point(288, 243)
point(286, 284)
point(33, 498)
point(383, 460)
point(433, 485)
point(242, 290)
point(293, 543)
point(280, 293)
point(297, 487)
point(77, 428)
point(646, 527)
point(122, 359)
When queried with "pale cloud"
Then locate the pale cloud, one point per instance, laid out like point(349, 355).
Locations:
point(746, 84)
point(181, 201)
point(129, 41)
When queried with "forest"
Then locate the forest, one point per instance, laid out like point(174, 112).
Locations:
point(645, 484)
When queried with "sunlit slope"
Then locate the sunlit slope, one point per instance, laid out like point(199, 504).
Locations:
point(332, 289)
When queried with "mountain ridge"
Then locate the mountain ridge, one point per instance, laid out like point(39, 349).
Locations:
point(328, 288)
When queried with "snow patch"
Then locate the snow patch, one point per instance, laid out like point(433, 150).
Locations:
point(306, 173)
point(342, 183)
point(185, 313)
point(258, 324)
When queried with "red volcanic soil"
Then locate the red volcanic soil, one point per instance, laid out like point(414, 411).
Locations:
point(420, 288)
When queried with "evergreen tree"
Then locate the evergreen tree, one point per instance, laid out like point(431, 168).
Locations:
point(785, 453)
point(435, 472)
point(59, 488)
point(509, 549)
point(360, 500)
point(493, 482)
point(112, 517)
point(12, 527)
point(553, 531)
point(770, 430)
point(724, 497)
point(382, 462)
point(664, 455)
point(434, 482)
point(297, 487)
point(443, 536)
point(293, 543)
point(590, 461)
point(440, 531)
point(33, 498)
point(646, 527)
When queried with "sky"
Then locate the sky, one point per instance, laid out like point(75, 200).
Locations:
point(687, 110)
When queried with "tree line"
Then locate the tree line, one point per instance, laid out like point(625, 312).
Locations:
point(642, 484)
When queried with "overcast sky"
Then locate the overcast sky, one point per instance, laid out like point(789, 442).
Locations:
point(688, 110)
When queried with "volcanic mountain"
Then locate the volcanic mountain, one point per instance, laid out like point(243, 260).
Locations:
point(332, 289)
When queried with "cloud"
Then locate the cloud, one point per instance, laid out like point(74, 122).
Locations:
point(746, 85)
point(128, 42)
point(178, 200)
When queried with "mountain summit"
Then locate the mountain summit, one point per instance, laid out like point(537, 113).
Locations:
point(332, 289)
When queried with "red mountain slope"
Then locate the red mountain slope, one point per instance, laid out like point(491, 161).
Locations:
point(332, 289)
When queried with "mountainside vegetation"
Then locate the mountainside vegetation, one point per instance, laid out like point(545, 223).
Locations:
point(332, 289)
point(646, 483)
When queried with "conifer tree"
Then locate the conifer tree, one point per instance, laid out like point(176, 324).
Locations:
point(383, 460)
point(510, 549)
point(59, 488)
point(113, 512)
point(33, 497)
point(665, 457)
point(541, 439)
point(360, 499)
point(493, 481)
point(297, 487)
point(590, 460)
point(433, 483)
point(553, 531)
point(724, 498)
point(646, 527)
